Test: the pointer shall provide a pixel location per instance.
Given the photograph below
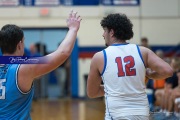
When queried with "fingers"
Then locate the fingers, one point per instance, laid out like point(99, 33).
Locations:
point(70, 14)
point(73, 18)
point(79, 18)
point(73, 14)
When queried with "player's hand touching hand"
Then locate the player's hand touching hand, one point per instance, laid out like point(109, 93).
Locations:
point(149, 73)
point(73, 21)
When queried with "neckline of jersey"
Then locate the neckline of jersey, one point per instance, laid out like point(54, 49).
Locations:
point(119, 44)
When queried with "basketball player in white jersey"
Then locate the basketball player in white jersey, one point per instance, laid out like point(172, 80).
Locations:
point(122, 67)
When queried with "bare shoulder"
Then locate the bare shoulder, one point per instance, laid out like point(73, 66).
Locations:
point(98, 58)
point(98, 55)
point(144, 51)
point(25, 77)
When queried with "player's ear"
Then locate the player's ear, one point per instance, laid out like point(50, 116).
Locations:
point(111, 32)
point(19, 45)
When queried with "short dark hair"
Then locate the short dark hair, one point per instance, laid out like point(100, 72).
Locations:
point(120, 24)
point(144, 39)
point(10, 35)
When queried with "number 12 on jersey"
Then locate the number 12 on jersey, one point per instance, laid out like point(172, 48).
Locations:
point(129, 66)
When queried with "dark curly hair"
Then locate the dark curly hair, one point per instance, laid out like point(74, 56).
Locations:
point(120, 24)
point(10, 35)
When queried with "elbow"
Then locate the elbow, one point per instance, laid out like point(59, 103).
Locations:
point(169, 72)
point(90, 95)
point(66, 54)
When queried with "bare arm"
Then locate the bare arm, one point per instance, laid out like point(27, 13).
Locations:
point(94, 87)
point(159, 68)
point(31, 71)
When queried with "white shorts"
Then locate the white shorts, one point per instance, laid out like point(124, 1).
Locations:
point(131, 117)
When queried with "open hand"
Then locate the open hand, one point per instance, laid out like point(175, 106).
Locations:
point(73, 21)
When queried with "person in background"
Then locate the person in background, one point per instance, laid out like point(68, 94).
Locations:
point(176, 98)
point(158, 85)
point(41, 48)
point(170, 84)
point(145, 42)
point(0, 52)
point(62, 74)
point(175, 88)
point(33, 50)
point(37, 82)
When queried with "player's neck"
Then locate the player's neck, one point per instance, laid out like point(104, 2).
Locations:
point(14, 54)
point(116, 41)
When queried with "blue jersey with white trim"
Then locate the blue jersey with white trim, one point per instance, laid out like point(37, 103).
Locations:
point(124, 81)
point(14, 104)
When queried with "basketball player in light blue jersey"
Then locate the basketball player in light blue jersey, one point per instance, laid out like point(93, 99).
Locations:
point(16, 80)
point(122, 67)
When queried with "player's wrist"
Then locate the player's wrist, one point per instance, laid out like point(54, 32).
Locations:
point(73, 29)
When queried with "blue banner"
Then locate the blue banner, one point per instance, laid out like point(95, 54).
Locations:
point(27, 2)
point(22, 60)
point(59, 2)
point(121, 2)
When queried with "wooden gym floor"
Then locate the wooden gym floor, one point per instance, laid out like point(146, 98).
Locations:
point(72, 109)
point(68, 109)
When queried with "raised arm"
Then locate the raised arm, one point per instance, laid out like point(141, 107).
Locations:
point(159, 69)
point(28, 72)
